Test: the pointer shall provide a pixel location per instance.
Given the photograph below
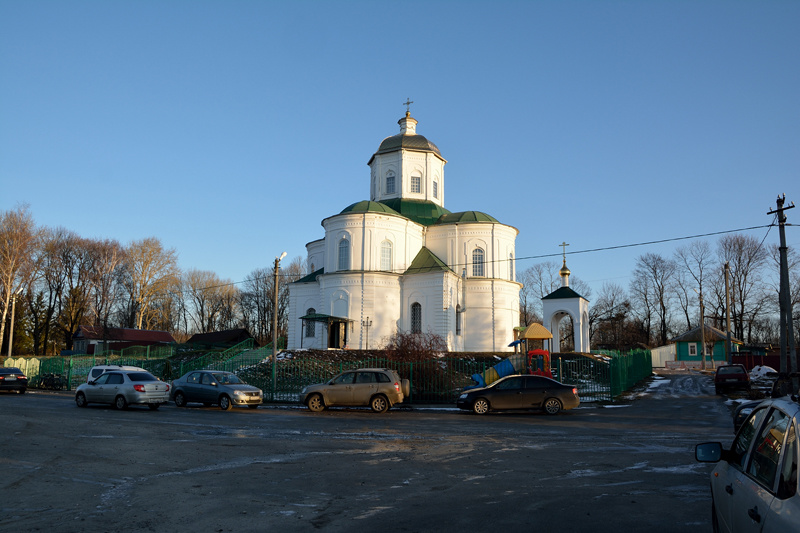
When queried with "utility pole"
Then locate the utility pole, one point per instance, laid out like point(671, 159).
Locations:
point(702, 333)
point(728, 345)
point(788, 350)
point(275, 325)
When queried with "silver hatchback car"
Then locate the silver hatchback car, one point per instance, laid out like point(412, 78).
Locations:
point(123, 388)
point(754, 486)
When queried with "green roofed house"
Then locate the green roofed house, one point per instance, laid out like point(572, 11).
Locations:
point(400, 261)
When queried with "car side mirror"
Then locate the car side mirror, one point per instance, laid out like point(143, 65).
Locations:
point(708, 452)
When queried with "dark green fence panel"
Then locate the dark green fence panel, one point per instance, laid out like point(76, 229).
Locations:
point(591, 375)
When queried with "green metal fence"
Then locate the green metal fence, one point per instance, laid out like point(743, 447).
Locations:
point(440, 381)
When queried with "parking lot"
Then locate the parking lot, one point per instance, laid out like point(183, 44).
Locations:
point(623, 467)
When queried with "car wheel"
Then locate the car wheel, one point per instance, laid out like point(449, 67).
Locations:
point(225, 403)
point(552, 406)
point(480, 407)
point(120, 403)
point(80, 400)
point(379, 403)
point(180, 399)
point(315, 403)
point(717, 391)
point(153, 406)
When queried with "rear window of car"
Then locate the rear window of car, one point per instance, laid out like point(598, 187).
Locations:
point(730, 370)
point(141, 376)
point(383, 378)
point(10, 370)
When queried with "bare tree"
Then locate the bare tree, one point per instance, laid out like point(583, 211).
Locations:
point(212, 300)
point(106, 259)
point(695, 263)
point(746, 258)
point(150, 273)
point(652, 288)
point(19, 238)
point(608, 315)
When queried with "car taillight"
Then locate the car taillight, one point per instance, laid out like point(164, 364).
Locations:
point(167, 388)
point(139, 388)
point(397, 386)
point(575, 391)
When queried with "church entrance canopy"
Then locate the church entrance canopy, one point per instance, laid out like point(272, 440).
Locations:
point(336, 327)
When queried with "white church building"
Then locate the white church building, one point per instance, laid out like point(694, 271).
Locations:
point(401, 262)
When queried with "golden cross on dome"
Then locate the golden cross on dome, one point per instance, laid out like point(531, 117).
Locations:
point(564, 250)
point(408, 103)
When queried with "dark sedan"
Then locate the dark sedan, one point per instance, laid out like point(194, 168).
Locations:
point(520, 392)
point(730, 377)
point(12, 378)
point(215, 387)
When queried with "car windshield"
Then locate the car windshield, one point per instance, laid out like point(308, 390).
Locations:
point(141, 376)
point(227, 379)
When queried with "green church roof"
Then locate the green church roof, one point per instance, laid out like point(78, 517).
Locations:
point(368, 206)
point(420, 211)
point(466, 216)
point(425, 262)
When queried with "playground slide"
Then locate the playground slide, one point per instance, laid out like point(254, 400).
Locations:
point(534, 362)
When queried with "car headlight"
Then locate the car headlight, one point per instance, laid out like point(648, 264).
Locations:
point(303, 391)
point(463, 396)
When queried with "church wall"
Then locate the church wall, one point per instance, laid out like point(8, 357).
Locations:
point(315, 255)
point(425, 289)
point(303, 296)
point(492, 313)
point(454, 244)
point(366, 232)
point(405, 164)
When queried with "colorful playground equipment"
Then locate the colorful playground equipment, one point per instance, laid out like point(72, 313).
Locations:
point(535, 362)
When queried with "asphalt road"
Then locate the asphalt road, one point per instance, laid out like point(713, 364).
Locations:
point(628, 467)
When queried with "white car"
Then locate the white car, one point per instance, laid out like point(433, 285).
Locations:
point(123, 388)
point(99, 370)
point(754, 485)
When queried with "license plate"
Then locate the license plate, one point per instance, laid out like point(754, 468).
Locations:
point(11, 378)
point(731, 379)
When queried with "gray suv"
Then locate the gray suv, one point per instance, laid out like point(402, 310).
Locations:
point(377, 388)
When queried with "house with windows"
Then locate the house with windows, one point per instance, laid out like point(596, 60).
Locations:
point(401, 262)
point(689, 346)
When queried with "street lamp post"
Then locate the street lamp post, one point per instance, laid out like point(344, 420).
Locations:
point(366, 323)
point(13, 312)
point(275, 325)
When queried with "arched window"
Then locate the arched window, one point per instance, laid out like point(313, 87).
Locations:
point(458, 319)
point(344, 254)
point(386, 256)
point(310, 329)
point(436, 189)
point(416, 317)
point(390, 187)
point(511, 267)
point(478, 258)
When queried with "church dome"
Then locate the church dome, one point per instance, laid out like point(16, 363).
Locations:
point(407, 139)
point(368, 206)
point(409, 142)
point(466, 216)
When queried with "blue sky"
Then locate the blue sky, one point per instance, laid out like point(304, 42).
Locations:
point(230, 129)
